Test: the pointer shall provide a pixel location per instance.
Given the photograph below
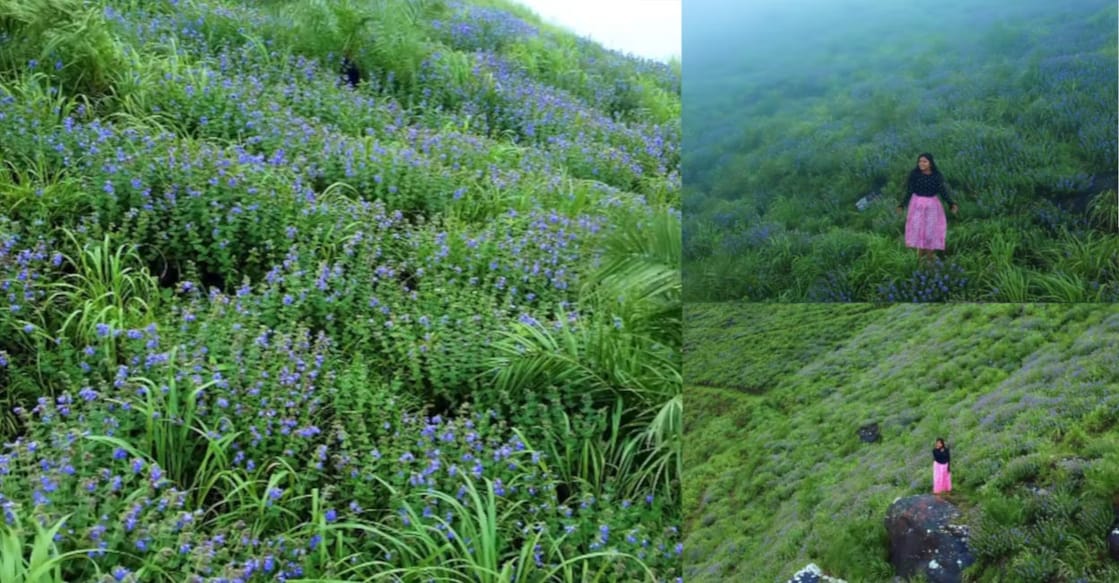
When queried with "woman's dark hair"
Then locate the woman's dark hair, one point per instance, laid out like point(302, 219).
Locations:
point(932, 163)
point(941, 440)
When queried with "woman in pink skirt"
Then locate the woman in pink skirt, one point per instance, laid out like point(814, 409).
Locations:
point(942, 468)
point(926, 224)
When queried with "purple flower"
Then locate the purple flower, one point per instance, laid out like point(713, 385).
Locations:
point(307, 432)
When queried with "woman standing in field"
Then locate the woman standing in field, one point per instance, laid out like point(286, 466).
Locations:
point(926, 224)
point(942, 468)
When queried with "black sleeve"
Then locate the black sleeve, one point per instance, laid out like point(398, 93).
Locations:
point(944, 191)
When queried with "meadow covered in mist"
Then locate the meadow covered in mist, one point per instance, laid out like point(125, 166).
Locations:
point(795, 111)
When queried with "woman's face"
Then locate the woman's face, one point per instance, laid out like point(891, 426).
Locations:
point(924, 164)
point(939, 444)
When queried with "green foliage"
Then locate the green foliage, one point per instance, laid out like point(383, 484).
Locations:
point(69, 40)
point(1104, 210)
point(104, 286)
point(383, 36)
point(624, 356)
point(43, 564)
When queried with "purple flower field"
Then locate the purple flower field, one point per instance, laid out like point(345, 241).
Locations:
point(344, 291)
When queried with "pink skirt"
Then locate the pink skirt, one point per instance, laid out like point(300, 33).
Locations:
point(925, 224)
point(942, 480)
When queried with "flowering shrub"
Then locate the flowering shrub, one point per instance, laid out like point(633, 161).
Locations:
point(939, 282)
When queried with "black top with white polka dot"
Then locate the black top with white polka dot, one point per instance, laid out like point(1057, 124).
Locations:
point(923, 184)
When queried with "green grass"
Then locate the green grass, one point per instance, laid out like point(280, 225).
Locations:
point(776, 476)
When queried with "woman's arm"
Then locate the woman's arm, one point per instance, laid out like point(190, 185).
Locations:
point(943, 187)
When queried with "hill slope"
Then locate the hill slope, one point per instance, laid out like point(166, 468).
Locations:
point(776, 475)
point(333, 290)
point(796, 112)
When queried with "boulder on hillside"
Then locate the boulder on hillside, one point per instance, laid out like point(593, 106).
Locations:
point(927, 538)
point(869, 433)
point(813, 574)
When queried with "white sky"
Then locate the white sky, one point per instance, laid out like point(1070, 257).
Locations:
point(646, 28)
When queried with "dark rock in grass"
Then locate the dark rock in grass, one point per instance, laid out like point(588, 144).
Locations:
point(927, 539)
point(813, 574)
point(869, 433)
point(350, 72)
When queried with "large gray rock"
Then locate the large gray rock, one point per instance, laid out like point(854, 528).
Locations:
point(813, 574)
point(926, 537)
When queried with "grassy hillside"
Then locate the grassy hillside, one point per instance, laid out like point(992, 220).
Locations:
point(776, 476)
point(262, 323)
point(794, 113)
